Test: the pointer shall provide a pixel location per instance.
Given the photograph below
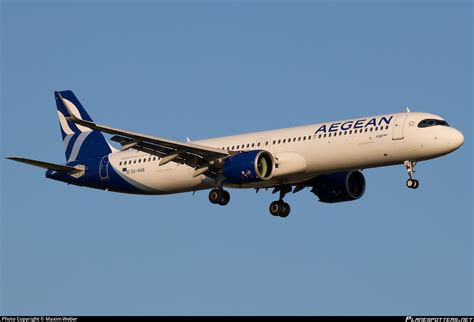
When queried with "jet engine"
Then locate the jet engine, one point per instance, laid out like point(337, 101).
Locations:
point(338, 187)
point(248, 167)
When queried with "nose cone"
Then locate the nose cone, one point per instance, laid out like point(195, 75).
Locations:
point(456, 139)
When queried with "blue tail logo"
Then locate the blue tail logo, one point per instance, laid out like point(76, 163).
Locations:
point(80, 143)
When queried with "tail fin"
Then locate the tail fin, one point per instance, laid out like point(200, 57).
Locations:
point(79, 142)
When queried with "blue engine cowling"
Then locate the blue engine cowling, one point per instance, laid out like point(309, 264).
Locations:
point(340, 186)
point(248, 167)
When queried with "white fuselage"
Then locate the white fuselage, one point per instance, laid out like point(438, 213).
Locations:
point(303, 152)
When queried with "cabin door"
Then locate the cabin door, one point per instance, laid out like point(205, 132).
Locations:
point(104, 168)
point(398, 127)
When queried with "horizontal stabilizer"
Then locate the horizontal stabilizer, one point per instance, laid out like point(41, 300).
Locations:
point(47, 165)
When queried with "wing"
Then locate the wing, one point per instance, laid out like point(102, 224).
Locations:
point(202, 158)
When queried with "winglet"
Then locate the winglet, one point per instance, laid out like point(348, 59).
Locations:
point(408, 109)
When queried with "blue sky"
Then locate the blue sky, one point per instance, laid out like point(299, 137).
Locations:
point(206, 68)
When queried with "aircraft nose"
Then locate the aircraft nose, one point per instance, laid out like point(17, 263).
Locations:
point(456, 139)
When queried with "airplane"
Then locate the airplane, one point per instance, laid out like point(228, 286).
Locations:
point(327, 157)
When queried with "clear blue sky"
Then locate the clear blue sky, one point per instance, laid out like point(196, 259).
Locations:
point(204, 69)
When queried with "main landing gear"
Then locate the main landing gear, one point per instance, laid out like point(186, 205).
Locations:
point(219, 196)
point(410, 166)
point(279, 207)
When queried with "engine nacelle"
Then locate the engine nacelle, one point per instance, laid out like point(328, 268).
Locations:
point(248, 167)
point(340, 186)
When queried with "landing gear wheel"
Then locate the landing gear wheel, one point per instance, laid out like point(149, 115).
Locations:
point(219, 196)
point(280, 208)
point(215, 196)
point(413, 183)
point(225, 198)
point(417, 184)
point(275, 208)
point(286, 210)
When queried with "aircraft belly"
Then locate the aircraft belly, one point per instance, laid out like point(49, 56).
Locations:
point(352, 153)
point(155, 179)
point(172, 178)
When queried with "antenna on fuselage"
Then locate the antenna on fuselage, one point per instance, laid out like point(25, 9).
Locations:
point(408, 109)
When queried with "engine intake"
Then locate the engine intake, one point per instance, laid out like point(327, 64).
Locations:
point(339, 187)
point(250, 166)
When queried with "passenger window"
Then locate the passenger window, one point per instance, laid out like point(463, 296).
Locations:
point(266, 142)
point(274, 142)
point(319, 136)
point(253, 144)
point(309, 137)
point(258, 144)
point(279, 141)
point(304, 138)
point(324, 135)
point(299, 139)
point(134, 161)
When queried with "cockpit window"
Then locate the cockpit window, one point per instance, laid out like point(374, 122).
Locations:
point(432, 122)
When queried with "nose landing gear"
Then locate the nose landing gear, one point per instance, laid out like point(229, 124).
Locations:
point(410, 166)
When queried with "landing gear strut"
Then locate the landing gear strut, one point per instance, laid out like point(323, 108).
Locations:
point(410, 166)
point(279, 207)
point(219, 196)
